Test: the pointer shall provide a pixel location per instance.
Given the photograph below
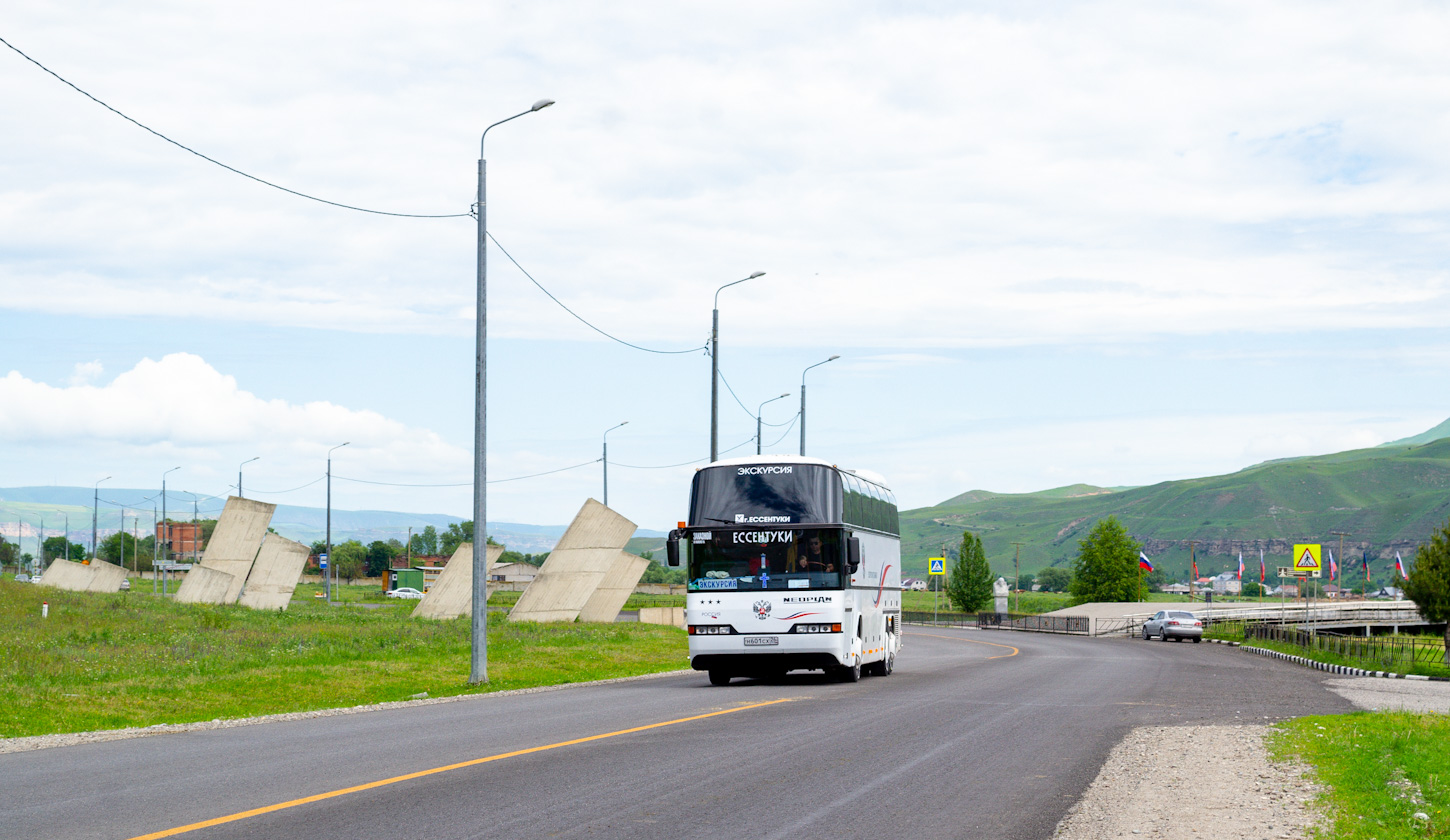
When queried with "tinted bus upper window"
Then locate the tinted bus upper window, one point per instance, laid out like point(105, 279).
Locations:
point(766, 494)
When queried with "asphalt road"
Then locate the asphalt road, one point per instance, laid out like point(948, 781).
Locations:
point(977, 734)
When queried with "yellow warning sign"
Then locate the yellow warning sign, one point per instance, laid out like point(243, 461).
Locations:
point(1306, 559)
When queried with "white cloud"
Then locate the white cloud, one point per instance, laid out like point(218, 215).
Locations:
point(86, 372)
point(1197, 165)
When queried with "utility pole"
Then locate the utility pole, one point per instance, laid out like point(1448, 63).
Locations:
point(1016, 575)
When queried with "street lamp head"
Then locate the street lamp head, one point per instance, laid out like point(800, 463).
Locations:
point(755, 275)
point(783, 396)
point(541, 104)
point(833, 358)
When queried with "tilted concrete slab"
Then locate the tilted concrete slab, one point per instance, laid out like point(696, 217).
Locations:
point(275, 573)
point(232, 549)
point(205, 586)
point(618, 584)
point(99, 576)
point(576, 567)
point(451, 595)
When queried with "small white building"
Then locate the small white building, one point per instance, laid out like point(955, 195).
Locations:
point(513, 573)
point(913, 584)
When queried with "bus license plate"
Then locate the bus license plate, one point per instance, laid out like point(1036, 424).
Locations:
point(761, 640)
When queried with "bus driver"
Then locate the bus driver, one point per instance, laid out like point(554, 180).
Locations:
point(814, 560)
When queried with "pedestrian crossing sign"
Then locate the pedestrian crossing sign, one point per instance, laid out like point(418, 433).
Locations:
point(938, 565)
point(1306, 559)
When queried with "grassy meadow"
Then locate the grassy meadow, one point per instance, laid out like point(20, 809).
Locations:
point(131, 659)
point(1379, 770)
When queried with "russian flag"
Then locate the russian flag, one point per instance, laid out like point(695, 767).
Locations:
point(1263, 572)
point(1333, 567)
point(1241, 565)
point(1400, 566)
point(1144, 563)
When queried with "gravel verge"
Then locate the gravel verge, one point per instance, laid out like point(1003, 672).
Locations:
point(1205, 781)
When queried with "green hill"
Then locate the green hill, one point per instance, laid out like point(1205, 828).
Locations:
point(1386, 499)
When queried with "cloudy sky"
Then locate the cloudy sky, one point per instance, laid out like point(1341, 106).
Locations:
point(1104, 242)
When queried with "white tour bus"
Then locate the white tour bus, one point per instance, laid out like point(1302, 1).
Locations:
point(794, 564)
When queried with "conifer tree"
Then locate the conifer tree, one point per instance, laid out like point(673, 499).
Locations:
point(970, 584)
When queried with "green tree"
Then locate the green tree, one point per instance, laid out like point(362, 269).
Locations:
point(1429, 582)
point(55, 548)
point(351, 559)
point(1253, 588)
point(124, 550)
point(426, 542)
point(457, 534)
point(1054, 579)
point(969, 586)
point(1107, 565)
point(1025, 582)
point(380, 558)
point(9, 554)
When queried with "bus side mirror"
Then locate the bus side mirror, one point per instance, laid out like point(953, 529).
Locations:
point(672, 550)
point(853, 555)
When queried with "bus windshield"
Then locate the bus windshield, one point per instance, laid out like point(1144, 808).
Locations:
point(774, 559)
point(765, 494)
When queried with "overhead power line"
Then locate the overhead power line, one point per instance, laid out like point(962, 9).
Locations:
point(576, 314)
point(219, 163)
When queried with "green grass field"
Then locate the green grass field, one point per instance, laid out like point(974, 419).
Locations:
point(1379, 770)
point(131, 659)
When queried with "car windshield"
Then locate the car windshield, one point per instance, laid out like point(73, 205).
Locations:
point(770, 559)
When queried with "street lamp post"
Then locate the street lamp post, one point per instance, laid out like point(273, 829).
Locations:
point(95, 516)
point(478, 665)
point(606, 460)
point(757, 418)
point(240, 494)
point(327, 573)
point(715, 368)
point(803, 401)
point(165, 526)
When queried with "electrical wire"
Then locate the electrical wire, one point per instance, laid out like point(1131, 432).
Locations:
point(577, 315)
point(223, 165)
point(293, 490)
point(788, 428)
point(466, 483)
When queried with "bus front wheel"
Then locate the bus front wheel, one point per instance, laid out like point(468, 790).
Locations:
point(850, 673)
point(718, 677)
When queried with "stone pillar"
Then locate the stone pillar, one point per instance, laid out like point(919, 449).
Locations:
point(999, 595)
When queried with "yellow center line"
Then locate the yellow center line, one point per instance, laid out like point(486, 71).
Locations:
point(1014, 652)
point(242, 815)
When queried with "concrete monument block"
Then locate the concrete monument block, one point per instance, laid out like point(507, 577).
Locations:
point(451, 595)
point(232, 548)
point(274, 574)
point(205, 586)
point(616, 587)
point(579, 563)
point(99, 576)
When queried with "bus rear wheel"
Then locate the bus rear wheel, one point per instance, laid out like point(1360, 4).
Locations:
point(718, 677)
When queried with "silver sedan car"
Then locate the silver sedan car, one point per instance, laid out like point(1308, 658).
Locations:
point(1173, 624)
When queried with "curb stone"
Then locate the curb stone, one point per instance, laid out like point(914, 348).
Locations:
point(1337, 669)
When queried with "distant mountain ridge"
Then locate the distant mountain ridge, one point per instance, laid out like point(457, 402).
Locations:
point(1388, 498)
point(304, 524)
